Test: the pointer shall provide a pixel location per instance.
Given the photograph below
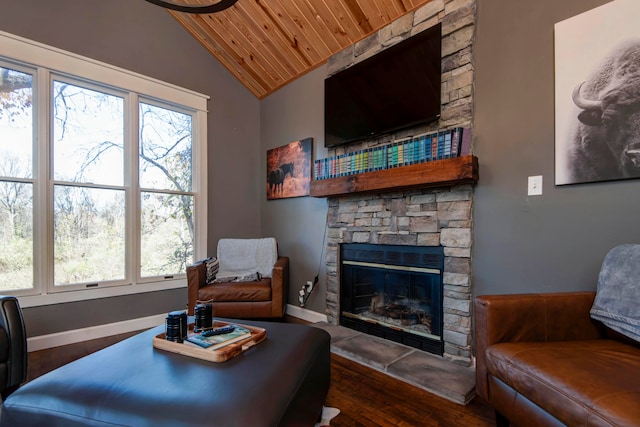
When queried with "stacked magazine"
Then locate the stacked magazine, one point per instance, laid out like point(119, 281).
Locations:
point(215, 341)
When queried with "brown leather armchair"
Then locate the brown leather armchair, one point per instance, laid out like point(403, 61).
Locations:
point(13, 346)
point(262, 298)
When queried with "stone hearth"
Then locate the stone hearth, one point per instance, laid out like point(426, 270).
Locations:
point(418, 368)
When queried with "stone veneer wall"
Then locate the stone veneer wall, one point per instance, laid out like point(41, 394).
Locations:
point(432, 217)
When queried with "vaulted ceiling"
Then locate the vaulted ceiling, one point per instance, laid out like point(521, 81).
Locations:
point(269, 43)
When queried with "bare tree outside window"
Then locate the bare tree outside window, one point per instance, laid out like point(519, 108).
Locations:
point(167, 228)
point(16, 185)
point(90, 186)
point(89, 152)
point(89, 217)
point(97, 186)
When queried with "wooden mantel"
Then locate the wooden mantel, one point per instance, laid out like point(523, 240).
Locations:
point(440, 173)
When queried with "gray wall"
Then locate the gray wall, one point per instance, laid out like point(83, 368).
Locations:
point(296, 112)
point(144, 38)
point(553, 242)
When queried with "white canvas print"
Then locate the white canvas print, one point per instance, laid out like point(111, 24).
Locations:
point(597, 94)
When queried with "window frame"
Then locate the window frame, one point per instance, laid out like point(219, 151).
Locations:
point(47, 63)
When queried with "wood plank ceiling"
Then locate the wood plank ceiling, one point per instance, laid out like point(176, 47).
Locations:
point(269, 43)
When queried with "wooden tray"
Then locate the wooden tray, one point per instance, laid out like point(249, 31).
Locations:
point(220, 355)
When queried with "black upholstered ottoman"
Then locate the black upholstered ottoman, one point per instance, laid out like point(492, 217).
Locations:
point(282, 381)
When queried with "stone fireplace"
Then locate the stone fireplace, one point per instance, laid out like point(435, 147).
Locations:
point(432, 218)
point(436, 217)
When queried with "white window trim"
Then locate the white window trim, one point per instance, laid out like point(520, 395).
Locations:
point(57, 60)
point(62, 61)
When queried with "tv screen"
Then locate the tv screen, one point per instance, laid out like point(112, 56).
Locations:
point(394, 89)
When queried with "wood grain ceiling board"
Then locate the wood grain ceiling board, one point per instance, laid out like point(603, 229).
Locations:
point(266, 44)
point(296, 35)
point(317, 26)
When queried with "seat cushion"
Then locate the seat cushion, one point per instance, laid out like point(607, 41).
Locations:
point(236, 291)
point(588, 383)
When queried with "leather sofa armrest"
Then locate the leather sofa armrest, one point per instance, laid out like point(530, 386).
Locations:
point(14, 331)
point(279, 286)
point(196, 278)
point(562, 316)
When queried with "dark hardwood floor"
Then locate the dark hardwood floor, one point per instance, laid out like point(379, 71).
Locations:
point(367, 397)
point(364, 396)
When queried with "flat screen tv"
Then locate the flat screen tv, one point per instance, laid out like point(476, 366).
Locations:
point(394, 89)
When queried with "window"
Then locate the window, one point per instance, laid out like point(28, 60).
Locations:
point(16, 179)
point(166, 201)
point(89, 195)
point(101, 177)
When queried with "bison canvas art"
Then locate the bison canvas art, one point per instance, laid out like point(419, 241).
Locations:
point(289, 170)
point(598, 95)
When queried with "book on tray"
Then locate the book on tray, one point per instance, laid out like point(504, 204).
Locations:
point(214, 342)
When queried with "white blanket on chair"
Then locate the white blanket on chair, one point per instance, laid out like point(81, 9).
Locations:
point(242, 257)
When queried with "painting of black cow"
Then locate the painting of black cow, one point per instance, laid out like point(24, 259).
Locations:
point(601, 117)
point(289, 170)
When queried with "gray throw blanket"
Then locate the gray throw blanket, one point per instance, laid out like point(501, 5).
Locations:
point(243, 258)
point(617, 302)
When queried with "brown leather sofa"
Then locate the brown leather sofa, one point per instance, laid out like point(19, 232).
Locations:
point(265, 298)
point(542, 361)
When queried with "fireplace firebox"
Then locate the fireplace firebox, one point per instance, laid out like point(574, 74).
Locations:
point(394, 292)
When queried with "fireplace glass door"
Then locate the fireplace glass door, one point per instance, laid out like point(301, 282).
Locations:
point(399, 302)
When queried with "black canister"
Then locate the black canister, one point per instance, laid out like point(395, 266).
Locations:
point(176, 326)
point(203, 317)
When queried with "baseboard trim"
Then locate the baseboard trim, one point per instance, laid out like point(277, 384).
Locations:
point(304, 314)
point(57, 339)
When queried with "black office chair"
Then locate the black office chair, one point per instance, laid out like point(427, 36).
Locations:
point(13, 346)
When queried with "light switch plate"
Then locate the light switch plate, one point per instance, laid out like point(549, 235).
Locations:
point(535, 186)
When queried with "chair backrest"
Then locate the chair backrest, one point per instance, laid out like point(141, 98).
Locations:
point(241, 257)
point(13, 346)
